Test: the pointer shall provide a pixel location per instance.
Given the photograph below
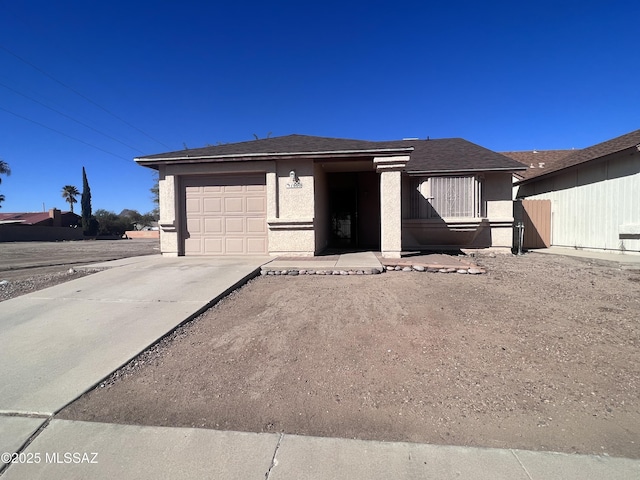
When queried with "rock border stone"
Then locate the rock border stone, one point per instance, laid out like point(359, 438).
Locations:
point(375, 271)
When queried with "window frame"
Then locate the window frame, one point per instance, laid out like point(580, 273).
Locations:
point(427, 197)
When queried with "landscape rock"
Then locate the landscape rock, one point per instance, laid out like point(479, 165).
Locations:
point(418, 268)
point(462, 270)
point(406, 269)
point(474, 271)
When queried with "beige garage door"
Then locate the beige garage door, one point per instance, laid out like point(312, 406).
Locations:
point(226, 215)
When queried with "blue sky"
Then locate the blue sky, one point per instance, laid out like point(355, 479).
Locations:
point(133, 78)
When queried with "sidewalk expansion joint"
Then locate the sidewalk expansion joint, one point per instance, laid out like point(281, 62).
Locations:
point(274, 461)
point(29, 440)
point(521, 464)
point(24, 414)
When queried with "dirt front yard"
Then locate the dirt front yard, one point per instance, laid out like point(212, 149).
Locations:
point(541, 353)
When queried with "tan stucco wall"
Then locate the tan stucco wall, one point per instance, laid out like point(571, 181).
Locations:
point(321, 207)
point(168, 194)
point(391, 213)
point(291, 229)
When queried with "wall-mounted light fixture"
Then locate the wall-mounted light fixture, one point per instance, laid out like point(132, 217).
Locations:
point(294, 181)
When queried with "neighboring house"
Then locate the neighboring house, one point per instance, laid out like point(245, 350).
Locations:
point(593, 195)
point(52, 218)
point(538, 161)
point(39, 226)
point(298, 195)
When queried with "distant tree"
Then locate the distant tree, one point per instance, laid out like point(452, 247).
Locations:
point(4, 170)
point(155, 196)
point(111, 223)
point(149, 219)
point(69, 193)
point(89, 223)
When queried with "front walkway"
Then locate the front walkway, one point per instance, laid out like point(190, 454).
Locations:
point(367, 263)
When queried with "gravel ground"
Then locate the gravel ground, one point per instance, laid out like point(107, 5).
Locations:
point(540, 353)
point(33, 283)
point(26, 267)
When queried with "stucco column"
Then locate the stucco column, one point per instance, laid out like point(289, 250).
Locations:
point(168, 192)
point(391, 213)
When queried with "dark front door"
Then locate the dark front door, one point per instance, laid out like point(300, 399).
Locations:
point(354, 210)
point(343, 208)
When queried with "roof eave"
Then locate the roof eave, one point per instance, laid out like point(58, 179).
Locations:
point(466, 170)
point(273, 156)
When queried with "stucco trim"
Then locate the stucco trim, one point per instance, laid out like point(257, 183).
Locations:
point(290, 224)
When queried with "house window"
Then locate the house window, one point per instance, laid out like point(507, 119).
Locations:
point(446, 197)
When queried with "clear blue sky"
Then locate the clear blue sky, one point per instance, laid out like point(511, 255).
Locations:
point(507, 75)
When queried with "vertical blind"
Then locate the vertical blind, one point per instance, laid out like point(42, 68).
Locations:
point(435, 197)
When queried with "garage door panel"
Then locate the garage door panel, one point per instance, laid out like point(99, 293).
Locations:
point(234, 245)
point(256, 225)
point(256, 205)
point(226, 215)
point(213, 226)
point(234, 205)
point(234, 225)
point(192, 246)
point(194, 225)
point(193, 205)
point(256, 245)
point(212, 205)
point(213, 246)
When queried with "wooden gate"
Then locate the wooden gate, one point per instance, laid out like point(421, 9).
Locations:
point(537, 223)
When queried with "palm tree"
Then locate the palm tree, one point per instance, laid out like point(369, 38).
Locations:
point(4, 169)
point(69, 193)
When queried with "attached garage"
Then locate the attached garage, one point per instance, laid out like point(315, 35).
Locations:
point(225, 215)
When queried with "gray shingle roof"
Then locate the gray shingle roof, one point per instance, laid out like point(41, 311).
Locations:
point(618, 144)
point(456, 154)
point(427, 156)
point(275, 145)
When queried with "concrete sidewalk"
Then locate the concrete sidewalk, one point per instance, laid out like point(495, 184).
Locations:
point(78, 450)
point(626, 259)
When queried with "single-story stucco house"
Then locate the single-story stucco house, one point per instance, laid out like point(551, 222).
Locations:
point(592, 195)
point(50, 226)
point(299, 195)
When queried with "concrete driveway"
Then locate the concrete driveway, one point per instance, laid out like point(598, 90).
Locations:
point(58, 343)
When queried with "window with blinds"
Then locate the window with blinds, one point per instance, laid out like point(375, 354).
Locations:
point(445, 197)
